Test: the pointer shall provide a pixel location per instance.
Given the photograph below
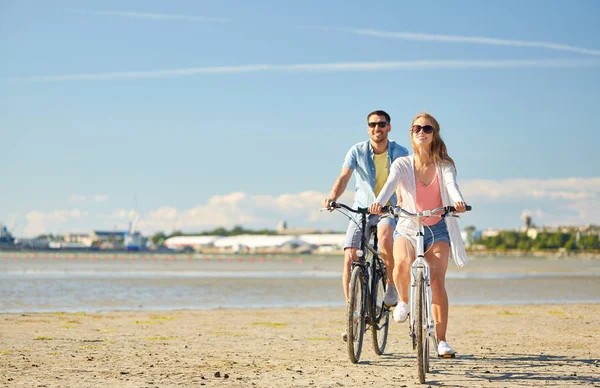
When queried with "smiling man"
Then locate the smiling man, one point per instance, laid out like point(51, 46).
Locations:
point(371, 161)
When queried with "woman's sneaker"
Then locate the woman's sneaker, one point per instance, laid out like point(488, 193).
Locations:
point(400, 312)
point(445, 351)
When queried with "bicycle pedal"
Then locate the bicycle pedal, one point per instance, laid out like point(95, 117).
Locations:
point(453, 355)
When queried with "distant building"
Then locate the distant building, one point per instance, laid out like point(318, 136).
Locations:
point(195, 242)
point(79, 238)
point(102, 235)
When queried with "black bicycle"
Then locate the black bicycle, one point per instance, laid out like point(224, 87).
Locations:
point(368, 282)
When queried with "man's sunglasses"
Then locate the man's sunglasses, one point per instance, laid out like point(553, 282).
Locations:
point(381, 124)
point(426, 128)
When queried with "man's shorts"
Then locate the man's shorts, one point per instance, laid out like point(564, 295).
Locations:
point(353, 232)
point(435, 233)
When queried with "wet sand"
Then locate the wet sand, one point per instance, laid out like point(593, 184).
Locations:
point(497, 346)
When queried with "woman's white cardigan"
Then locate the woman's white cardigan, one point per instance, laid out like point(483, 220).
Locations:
point(402, 172)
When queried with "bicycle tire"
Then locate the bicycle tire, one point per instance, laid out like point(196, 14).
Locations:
point(380, 316)
point(356, 314)
point(421, 327)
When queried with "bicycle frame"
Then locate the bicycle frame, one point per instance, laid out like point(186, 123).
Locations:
point(367, 267)
point(372, 310)
point(420, 267)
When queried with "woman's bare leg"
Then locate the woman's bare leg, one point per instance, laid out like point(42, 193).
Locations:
point(437, 257)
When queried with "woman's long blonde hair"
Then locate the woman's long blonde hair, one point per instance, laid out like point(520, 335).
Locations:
point(438, 149)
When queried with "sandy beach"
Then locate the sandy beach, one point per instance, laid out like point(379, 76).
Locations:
point(497, 346)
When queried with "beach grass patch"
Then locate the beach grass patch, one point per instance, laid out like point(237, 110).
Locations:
point(107, 330)
point(62, 313)
point(6, 352)
point(42, 338)
point(508, 313)
point(274, 325)
point(506, 333)
point(473, 332)
point(318, 339)
point(148, 323)
point(556, 312)
point(160, 338)
point(88, 346)
point(227, 334)
point(162, 318)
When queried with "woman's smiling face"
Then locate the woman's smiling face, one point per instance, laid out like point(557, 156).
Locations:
point(421, 138)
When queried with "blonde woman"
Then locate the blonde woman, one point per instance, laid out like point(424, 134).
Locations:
point(427, 180)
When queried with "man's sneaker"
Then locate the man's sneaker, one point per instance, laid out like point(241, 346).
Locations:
point(400, 312)
point(445, 351)
point(345, 337)
point(391, 296)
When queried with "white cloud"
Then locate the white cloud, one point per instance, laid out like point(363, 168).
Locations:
point(416, 36)
point(570, 201)
point(100, 198)
point(321, 67)
point(497, 203)
point(44, 223)
point(126, 214)
point(154, 16)
point(77, 198)
point(571, 189)
point(254, 211)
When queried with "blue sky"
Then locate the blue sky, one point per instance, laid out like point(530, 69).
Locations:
point(198, 114)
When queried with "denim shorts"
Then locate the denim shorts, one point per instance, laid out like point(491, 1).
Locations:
point(353, 231)
point(435, 233)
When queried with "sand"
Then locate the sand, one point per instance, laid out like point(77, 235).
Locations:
point(497, 346)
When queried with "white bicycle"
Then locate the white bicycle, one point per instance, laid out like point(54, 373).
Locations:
point(421, 323)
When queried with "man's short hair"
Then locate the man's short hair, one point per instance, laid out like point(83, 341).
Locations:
point(380, 113)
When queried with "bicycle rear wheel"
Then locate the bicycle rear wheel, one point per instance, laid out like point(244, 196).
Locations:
point(379, 313)
point(356, 314)
point(421, 329)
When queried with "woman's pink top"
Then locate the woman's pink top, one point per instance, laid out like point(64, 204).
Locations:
point(429, 198)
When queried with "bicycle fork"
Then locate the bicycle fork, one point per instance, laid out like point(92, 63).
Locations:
point(420, 270)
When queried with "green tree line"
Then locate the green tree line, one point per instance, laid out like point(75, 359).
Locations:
point(570, 241)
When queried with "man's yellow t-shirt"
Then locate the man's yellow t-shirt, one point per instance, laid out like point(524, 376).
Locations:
point(382, 170)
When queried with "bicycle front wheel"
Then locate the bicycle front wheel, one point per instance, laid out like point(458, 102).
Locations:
point(421, 329)
point(356, 314)
point(380, 317)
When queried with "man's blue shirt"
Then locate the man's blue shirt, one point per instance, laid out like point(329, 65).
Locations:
point(360, 159)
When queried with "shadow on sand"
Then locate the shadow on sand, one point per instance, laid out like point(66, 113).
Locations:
point(524, 370)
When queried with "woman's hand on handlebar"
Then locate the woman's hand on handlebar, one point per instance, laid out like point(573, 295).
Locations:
point(460, 206)
point(375, 208)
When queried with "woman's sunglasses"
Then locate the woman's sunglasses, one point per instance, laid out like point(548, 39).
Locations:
point(426, 128)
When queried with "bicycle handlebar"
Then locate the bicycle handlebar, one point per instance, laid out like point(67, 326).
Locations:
point(337, 205)
point(398, 211)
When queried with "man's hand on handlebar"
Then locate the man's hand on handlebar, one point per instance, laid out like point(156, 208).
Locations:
point(375, 208)
point(327, 204)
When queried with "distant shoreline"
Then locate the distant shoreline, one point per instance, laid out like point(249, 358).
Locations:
point(541, 254)
point(6, 253)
